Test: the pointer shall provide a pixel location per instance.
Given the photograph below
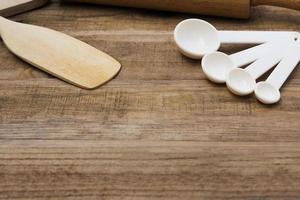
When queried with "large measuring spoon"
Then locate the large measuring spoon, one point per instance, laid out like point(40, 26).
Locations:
point(216, 65)
point(195, 37)
point(242, 81)
point(267, 91)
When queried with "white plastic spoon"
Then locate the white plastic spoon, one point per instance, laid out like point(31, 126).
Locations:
point(267, 91)
point(195, 37)
point(242, 81)
point(216, 65)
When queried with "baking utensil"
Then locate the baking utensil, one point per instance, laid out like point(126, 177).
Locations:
point(13, 7)
point(267, 91)
point(196, 37)
point(216, 65)
point(242, 81)
point(228, 8)
point(59, 54)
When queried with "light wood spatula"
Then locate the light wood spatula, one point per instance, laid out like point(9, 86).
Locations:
point(59, 54)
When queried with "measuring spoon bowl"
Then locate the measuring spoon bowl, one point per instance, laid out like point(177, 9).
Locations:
point(267, 93)
point(196, 38)
point(216, 66)
point(240, 82)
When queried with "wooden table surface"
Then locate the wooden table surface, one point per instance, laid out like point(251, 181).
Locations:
point(159, 130)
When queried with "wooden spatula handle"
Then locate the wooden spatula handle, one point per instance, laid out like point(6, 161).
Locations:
point(293, 4)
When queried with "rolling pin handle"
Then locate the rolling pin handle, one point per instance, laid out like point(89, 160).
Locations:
point(292, 4)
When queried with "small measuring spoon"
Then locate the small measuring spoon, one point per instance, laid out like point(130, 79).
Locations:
point(267, 91)
point(216, 65)
point(195, 37)
point(242, 81)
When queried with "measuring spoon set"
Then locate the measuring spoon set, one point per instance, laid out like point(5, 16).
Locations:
point(197, 39)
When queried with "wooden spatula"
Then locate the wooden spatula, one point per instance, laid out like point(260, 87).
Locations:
point(58, 54)
point(13, 7)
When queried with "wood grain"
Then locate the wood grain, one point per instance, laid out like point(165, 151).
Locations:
point(160, 130)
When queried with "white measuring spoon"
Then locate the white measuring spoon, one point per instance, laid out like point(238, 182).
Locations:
point(242, 81)
point(267, 91)
point(216, 65)
point(195, 37)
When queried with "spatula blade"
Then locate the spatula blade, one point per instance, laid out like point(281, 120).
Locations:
point(59, 54)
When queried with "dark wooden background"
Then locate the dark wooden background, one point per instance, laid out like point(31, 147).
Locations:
point(159, 130)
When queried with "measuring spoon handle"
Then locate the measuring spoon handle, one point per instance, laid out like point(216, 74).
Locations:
point(285, 67)
point(253, 37)
point(269, 60)
point(250, 55)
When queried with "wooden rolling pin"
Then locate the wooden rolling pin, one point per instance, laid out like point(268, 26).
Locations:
point(225, 8)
